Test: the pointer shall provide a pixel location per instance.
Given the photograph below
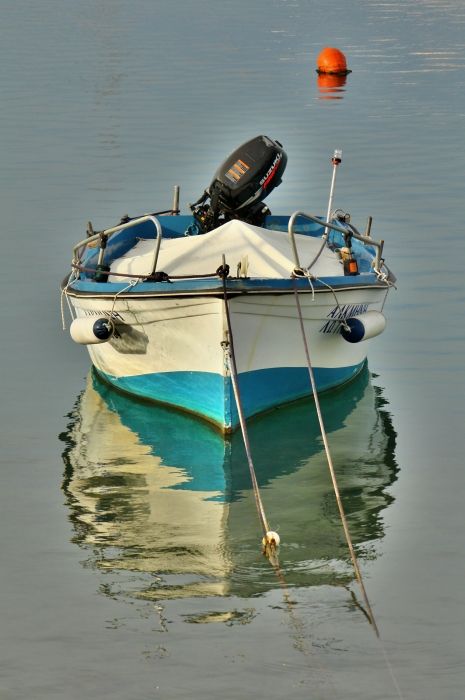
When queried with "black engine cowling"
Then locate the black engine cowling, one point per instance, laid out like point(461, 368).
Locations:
point(241, 183)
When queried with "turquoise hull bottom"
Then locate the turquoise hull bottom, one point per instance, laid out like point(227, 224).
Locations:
point(211, 396)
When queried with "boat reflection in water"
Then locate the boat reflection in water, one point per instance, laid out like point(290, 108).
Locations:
point(164, 496)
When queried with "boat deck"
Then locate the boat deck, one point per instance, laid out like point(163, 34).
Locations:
point(130, 252)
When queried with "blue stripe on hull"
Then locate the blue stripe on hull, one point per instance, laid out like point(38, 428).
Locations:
point(211, 395)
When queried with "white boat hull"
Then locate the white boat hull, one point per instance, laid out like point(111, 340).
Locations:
point(175, 350)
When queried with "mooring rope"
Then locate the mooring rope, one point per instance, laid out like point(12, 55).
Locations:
point(223, 271)
point(131, 284)
point(64, 295)
point(358, 573)
point(269, 546)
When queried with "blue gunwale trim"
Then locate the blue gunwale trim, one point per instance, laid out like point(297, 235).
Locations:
point(213, 285)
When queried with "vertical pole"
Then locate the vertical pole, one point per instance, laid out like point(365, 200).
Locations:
point(175, 207)
point(336, 159)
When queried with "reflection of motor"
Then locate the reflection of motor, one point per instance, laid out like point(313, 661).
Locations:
point(241, 184)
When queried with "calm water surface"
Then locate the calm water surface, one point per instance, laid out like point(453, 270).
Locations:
point(126, 572)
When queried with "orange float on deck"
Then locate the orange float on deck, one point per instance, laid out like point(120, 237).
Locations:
point(332, 61)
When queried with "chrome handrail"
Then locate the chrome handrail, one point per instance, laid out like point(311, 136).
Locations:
point(110, 231)
point(367, 240)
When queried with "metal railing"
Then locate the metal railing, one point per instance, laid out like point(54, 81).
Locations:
point(367, 240)
point(103, 236)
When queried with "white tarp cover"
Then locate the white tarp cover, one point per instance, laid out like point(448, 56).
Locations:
point(269, 254)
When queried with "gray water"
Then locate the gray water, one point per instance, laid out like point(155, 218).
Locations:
point(104, 106)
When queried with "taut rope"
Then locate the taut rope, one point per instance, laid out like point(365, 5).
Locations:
point(358, 574)
point(342, 514)
point(270, 539)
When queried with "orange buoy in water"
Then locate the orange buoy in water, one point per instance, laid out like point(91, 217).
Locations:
point(332, 61)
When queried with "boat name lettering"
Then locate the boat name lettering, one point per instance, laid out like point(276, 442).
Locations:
point(265, 179)
point(108, 314)
point(340, 313)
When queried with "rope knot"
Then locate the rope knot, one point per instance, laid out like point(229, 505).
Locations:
point(159, 277)
point(223, 271)
point(270, 546)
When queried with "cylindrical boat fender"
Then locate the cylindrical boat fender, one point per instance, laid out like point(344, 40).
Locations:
point(89, 331)
point(363, 326)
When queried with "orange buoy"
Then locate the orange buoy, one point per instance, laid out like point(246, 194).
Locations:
point(332, 61)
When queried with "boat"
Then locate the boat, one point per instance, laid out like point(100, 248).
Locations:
point(227, 311)
point(162, 503)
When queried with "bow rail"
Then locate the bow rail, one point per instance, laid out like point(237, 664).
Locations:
point(366, 240)
point(103, 237)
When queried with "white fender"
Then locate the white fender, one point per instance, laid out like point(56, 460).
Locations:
point(89, 331)
point(364, 326)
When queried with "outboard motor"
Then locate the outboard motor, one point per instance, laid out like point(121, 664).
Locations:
point(241, 184)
